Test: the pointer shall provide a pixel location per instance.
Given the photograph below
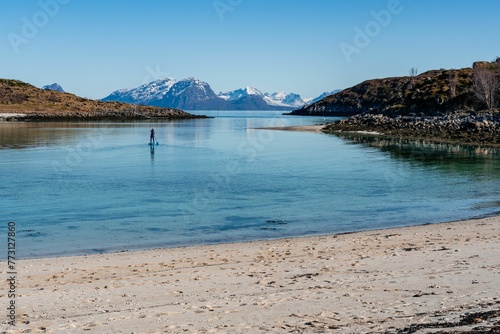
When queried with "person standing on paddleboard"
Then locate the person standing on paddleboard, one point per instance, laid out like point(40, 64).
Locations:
point(152, 137)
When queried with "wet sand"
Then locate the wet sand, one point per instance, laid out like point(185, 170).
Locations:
point(368, 282)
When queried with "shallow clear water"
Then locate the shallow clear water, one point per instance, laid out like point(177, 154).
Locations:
point(76, 188)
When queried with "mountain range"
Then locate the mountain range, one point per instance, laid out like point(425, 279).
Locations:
point(194, 94)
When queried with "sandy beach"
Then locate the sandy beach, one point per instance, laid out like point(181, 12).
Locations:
point(368, 282)
point(315, 128)
point(301, 128)
point(11, 116)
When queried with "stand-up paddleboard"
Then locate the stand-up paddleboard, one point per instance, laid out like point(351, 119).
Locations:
point(154, 144)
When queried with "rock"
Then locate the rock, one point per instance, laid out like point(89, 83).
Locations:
point(461, 126)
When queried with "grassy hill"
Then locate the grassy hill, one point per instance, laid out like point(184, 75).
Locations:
point(20, 97)
point(441, 105)
point(432, 92)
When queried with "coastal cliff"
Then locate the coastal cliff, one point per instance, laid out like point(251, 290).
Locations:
point(31, 103)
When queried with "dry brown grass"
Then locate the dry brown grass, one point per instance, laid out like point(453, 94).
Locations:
point(20, 97)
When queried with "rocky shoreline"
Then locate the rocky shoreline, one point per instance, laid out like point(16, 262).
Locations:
point(481, 128)
point(34, 116)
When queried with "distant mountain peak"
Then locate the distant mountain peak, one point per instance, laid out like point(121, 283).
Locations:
point(283, 99)
point(251, 90)
point(240, 93)
point(192, 93)
point(322, 96)
point(188, 94)
point(54, 87)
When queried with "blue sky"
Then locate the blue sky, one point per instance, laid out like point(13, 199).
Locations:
point(93, 47)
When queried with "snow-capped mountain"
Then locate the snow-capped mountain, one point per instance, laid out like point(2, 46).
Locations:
point(322, 96)
point(239, 93)
point(145, 94)
point(188, 94)
point(55, 87)
point(280, 99)
point(291, 100)
point(194, 94)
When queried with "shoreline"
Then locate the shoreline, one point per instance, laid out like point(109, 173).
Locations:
point(356, 282)
point(138, 114)
point(300, 128)
point(460, 127)
point(26, 118)
point(112, 251)
point(321, 128)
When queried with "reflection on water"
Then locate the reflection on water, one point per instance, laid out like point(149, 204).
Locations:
point(26, 134)
point(152, 151)
point(450, 157)
point(36, 134)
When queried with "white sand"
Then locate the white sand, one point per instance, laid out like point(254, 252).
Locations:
point(10, 115)
point(368, 132)
point(306, 128)
point(317, 128)
point(366, 282)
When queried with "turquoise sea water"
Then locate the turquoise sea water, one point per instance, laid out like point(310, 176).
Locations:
point(75, 188)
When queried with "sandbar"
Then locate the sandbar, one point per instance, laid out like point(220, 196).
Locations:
point(305, 128)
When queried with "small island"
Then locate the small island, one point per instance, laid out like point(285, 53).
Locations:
point(444, 105)
point(22, 101)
